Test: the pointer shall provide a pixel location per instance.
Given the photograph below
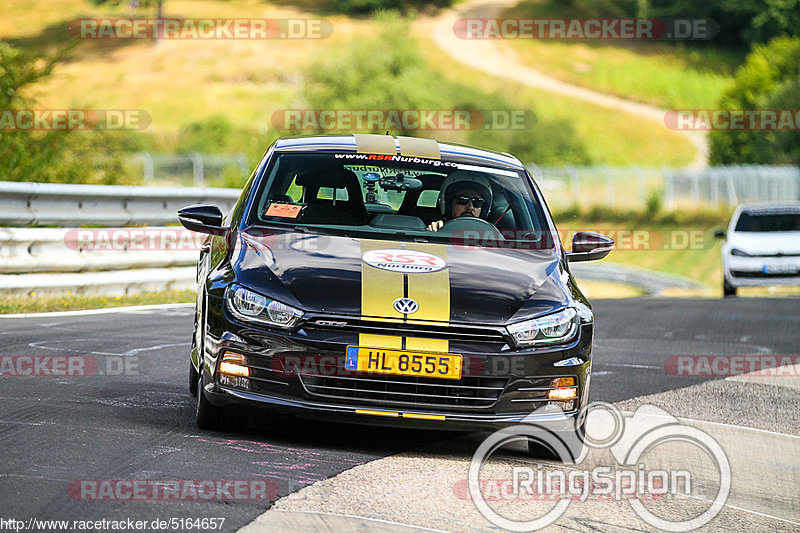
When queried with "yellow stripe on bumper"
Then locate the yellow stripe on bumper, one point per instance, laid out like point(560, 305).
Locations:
point(376, 413)
point(420, 416)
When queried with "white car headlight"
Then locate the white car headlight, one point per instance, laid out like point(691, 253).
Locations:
point(250, 306)
point(558, 327)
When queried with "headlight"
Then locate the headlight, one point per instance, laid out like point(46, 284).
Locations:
point(558, 327)
point(250, 306)
point(739, 253)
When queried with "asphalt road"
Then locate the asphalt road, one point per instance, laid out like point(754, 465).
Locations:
point(132, 419)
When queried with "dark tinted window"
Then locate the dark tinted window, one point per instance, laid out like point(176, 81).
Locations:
point(757, 222)
point(349, 193)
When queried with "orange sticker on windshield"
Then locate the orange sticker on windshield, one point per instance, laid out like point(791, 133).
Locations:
point(283, 210)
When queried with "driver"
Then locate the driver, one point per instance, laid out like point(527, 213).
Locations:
point(463, 194)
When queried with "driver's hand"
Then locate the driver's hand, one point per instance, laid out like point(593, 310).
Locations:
point(435, 225)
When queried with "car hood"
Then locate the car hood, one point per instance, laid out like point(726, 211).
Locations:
point(323, 274)
point(766, 243)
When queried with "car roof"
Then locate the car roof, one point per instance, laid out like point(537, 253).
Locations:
point(765, 208)
point(349, 144)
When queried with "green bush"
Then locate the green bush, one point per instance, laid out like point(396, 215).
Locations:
point(56, 156)
point(369, 6)
point(768, 79)
point(216, 135)
point(741, 22)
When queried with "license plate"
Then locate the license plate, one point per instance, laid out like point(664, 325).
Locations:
point(403, 363)
point(780, 269)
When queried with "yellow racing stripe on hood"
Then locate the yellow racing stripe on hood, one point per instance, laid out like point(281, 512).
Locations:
point(432, 293)
point(379, 289)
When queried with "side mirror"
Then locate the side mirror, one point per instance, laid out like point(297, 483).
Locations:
point(202, 218)
point(589, 246)
point(719, 233)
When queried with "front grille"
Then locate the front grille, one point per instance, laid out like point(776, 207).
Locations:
point(760, 275)
point(775, 255)
point(474, 392)
point(457, 333)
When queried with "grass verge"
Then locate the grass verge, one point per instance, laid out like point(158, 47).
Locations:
point(72, 302)
point(665, 74)
point(688, 250)
point(607, 136)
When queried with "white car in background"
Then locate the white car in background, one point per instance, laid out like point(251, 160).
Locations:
point(762, 247)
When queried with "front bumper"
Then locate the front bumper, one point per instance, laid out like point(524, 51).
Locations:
point(761, 271)
point(303, 374)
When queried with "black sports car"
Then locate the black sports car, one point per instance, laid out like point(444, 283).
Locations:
point(387, 280)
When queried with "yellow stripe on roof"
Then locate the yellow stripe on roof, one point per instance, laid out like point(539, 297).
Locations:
point(415, 147)
point(370, 143)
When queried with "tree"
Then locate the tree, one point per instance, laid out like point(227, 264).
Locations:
point(768, 79)
point(55, 156)
point(141, 3)
point(22, 153)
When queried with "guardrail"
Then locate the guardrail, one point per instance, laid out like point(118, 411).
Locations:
point(55, 204)
point(107, 260)
point(630, 187)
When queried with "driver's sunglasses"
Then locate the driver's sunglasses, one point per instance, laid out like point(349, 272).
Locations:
point(477, 201)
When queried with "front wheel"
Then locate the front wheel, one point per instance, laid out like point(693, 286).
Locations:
point(728, 289)
point(544, 448)
point(208, 415)
point(193, 377)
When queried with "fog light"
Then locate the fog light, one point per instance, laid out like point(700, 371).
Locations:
point(559, 407)
point(563, 394)
point(563, 382)
point(233, 364)
point(234, 381)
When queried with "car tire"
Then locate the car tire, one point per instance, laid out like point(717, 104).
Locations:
point(728, 289)
point(208, 415)
point(574, 442)
point(193, 377)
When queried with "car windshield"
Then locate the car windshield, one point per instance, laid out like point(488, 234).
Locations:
point(400, 196)
point(763, 222)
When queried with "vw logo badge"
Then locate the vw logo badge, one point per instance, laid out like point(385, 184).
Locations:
point(405, 306)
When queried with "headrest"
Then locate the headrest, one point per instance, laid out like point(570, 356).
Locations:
point(336, 180)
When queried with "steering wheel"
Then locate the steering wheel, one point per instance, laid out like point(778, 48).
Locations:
point(462, 224)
